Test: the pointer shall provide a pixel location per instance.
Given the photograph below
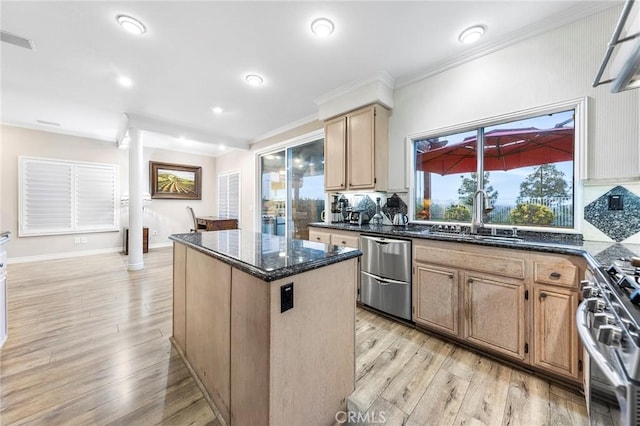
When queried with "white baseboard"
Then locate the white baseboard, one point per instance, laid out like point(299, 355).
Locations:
point(66, 255)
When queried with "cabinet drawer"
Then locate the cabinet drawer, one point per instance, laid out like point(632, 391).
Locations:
point(321, 237)
point(345, 240)
point(496, 262)
point(555, 271)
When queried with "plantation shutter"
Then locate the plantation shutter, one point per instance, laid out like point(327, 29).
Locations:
point(58, 197)
point(229, 195)
point(95, 197)
point(46, 197)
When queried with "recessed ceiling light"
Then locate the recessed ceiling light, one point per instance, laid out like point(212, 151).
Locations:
point(217, 110)
point(254, 79)
point(131, 24)
point(322, 27)
point(472, 34)
point(125, 81)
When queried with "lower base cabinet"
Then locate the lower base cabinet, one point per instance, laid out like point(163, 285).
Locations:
point(495, 314)
point(436, 298)
point(511, 303)
point(556, 345)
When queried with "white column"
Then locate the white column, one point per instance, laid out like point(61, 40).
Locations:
point(136, 261)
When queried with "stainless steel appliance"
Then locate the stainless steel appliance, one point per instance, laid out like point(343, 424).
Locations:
point(608, 322)
point(385, 275)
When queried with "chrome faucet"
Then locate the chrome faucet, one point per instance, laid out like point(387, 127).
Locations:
point(476, 215)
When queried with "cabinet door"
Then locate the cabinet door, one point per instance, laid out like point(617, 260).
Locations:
point(554, 330)
point(361, 149)
point(494, 314)
point(436, 298)
point(319, 236)
point(335, 138)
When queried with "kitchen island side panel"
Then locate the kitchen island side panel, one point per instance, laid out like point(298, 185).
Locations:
point(250, 344)
point(208, 317)
point(313, 346)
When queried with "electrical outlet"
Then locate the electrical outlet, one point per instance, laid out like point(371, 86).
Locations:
point(286, 297)
point(155, 233)
point(76, 240)
point(83, 240)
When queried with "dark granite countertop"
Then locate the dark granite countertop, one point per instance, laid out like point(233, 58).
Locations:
point(268, 257)
point(596, 253)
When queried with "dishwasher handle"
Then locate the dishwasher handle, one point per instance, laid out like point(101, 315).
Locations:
point(384, 281)
point(384, 241)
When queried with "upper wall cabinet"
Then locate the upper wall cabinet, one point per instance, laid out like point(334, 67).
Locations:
point(356, 150)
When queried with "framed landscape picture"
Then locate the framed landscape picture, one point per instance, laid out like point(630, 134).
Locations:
point(175, 181)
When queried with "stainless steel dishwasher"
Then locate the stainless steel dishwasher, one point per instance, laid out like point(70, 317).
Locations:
point(385, 275)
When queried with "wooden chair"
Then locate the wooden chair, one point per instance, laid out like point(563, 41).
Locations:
point(193, 219)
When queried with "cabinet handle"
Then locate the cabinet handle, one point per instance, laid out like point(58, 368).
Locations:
point(543, 296)
point(1, 265)
point(344, 243)
point(555, 275)
point(451, 276)
point(470, 280)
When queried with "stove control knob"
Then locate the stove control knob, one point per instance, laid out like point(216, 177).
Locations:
point(585, 283)
point(601, 319)
point(594, 304)
point(610, 335)
point(589, 291)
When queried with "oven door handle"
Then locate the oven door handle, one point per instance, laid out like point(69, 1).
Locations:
point(582, 319)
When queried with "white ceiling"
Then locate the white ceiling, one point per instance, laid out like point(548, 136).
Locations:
point(195, 55)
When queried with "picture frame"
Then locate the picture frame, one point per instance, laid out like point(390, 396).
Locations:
point(175, 181)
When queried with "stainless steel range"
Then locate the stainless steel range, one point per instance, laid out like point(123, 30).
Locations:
point(609, 326)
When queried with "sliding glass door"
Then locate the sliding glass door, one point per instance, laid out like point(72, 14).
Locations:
point(292, 189)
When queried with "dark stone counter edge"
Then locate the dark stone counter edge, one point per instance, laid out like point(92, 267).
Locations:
point(276, 274)
point(524, 245)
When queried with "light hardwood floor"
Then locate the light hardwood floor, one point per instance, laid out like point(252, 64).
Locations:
point(89, 344)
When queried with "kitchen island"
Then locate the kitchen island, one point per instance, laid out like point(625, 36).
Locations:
point(266, 324)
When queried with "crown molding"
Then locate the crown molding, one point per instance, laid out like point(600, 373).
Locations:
point(300, 122)
point(381, 77)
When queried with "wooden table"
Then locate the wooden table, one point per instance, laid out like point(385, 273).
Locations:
point(212, 223)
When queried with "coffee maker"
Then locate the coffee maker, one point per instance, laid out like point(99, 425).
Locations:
point(336, 208)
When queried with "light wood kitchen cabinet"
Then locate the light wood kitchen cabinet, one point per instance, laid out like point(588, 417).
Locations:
point(494, 314)
point(338, 238)
point(435, 300)
point(516, 303)
point(356, 150)
point(319, 236)
point(555, 334)
point(347, 239)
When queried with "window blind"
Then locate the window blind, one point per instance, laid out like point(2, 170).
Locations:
point(229, 195)
point(58, 197)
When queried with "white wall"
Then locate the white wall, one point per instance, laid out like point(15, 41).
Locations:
point(552, 67)
point(164, 216)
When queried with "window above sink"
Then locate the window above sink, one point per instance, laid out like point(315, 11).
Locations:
point(529, 161)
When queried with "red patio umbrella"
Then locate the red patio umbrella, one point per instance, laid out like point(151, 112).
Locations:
point(504, 149)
